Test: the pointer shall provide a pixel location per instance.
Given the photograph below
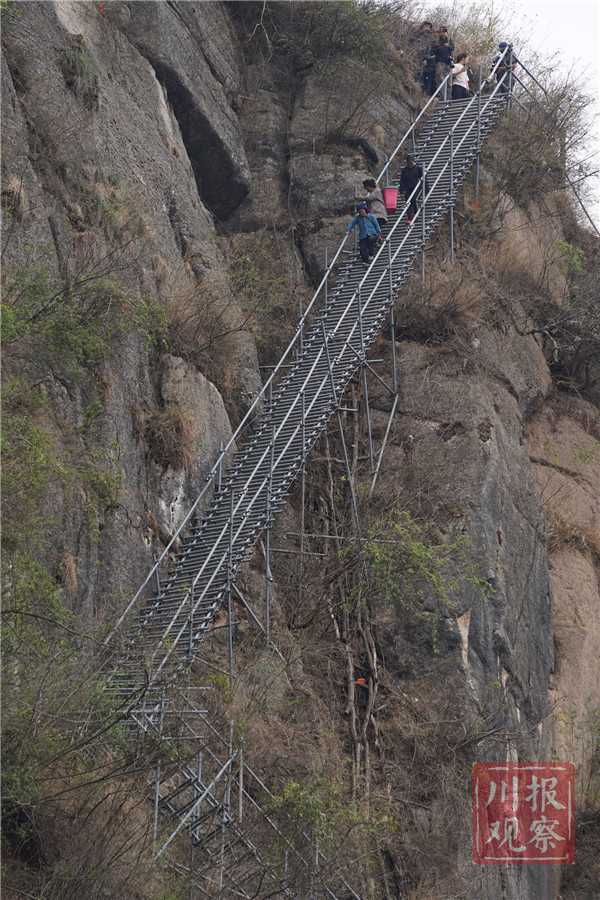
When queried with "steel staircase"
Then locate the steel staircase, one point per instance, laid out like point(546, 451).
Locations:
point(174, 621)
point(161, 633)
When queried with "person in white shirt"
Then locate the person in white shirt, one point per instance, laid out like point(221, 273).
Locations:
point(460, 77)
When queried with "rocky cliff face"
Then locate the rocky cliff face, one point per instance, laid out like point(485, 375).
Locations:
point(149, 145)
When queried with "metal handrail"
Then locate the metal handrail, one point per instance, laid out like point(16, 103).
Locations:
point(209, 478)
point(263, 393)
point(412, 127)
point(474, 99)
point(323, 349)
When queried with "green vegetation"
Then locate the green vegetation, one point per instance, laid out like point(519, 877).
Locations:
point(572, 257)
point(319, 808)
point(418, 571)
point(571, 328)
point(80, 72)
point(354, 50)
point(268, 283)
point(70, 328)
point(64, 752)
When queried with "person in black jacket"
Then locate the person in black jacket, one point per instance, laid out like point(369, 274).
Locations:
point(428, 76)
point(421, 45)
point(443, 51)
point(410, 177)
point(509, 62)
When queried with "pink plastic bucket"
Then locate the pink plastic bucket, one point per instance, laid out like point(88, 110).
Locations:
point(390, 198)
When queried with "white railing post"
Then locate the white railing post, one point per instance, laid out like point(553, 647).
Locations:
point(451, 209)
point(477, 158)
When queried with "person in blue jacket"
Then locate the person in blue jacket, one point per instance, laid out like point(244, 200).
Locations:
point(369, 231)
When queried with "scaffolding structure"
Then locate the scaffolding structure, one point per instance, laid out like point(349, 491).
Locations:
point(207, 790)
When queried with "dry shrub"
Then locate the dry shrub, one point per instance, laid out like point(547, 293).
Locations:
point(572, 407)
point(69, 571)
point(88, 840)
point(562, 533)
point(427, 752)
point(269, 283)
point(14, 198)
point(169, 435)
point(447, 305)
point(160, 269)
point(203, 316)
point(580, 881)
point(546, 129)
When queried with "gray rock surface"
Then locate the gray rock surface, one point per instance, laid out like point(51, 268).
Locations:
point(120, 172)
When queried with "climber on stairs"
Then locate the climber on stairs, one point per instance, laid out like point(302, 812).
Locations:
point(460, 78)
point(375, 201)
point(410, 177)
point(509, 62)
point(369, 232)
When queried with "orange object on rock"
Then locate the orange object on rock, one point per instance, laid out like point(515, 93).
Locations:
point(362, 682)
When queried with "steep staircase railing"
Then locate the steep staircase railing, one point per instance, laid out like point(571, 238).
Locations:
point(265, 397)
point(250, 480)
point(216, 472)
point(354, 312)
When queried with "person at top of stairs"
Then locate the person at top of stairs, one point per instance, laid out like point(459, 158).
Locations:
point(442, 32)
point(411, 176)
point(420, 43)
point(369, 231)
point(443, 50)
point(504, 65)
point(460, 78)
point(375, 201)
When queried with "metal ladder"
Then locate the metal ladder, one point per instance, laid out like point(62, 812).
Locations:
point(173, 621)
point(161, 633)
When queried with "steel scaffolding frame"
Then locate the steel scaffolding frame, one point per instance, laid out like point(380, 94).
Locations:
point(156, 638)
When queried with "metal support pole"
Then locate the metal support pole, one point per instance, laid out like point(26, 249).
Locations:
point(158, 771)
point(478, 157)
point(195, 823)
point(190, 652)
point(392, 317)
point(423, 195)
point(383, 446)
point(269, 403)
point(220, 469)
point(360, 321)
point(226, 810)
point(156, 575)
point(241, 783)
point(368, 415)
point(451, 209)
point(342, 435)
point(326, 276)
point(268, 572)
point(510, 73)
point(365, 386)
point(230, 597)
point(413, 139)
point(302, 505)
